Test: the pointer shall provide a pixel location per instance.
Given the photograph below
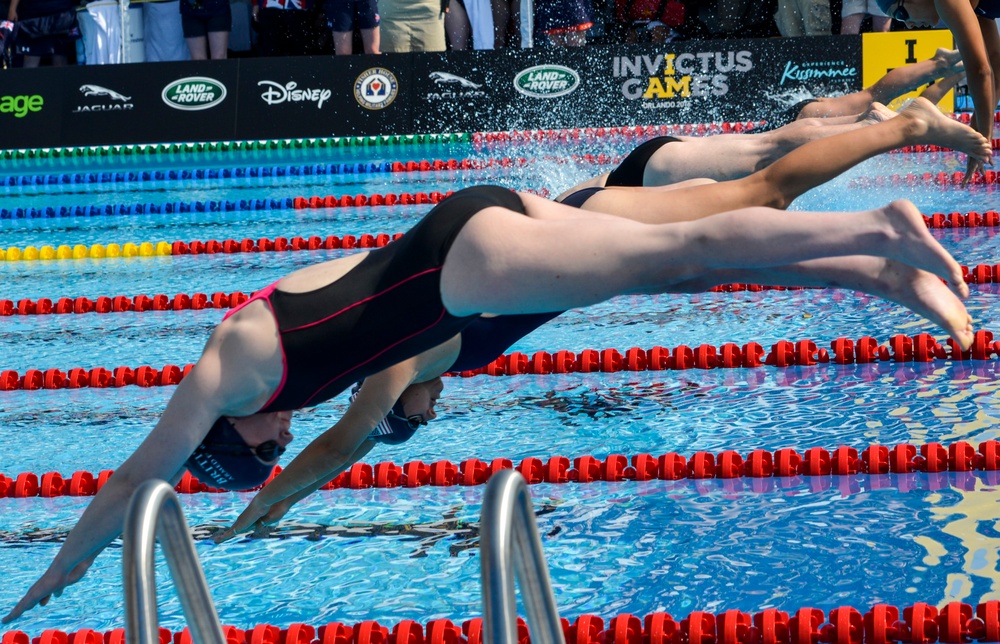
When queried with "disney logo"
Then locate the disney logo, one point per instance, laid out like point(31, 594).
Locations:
point(275, 93)
point(794, 72)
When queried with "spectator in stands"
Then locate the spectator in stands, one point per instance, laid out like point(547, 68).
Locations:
point(206, 25)
point(163, 34)
point(506, 13)
point(346, 15)
point(854, 12)
point(730, 19)
point(45, 29)
point(650, 20)
point(564, 23)
point(457, 27)
point(413, 25)
point(804, 18)
point(289, 28)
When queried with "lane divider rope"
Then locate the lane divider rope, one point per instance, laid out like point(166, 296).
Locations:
point(917, 623)
point(786, 463)
point(151, 149)
point(317, 169)
point(47, 252)
point(979, 274)
point(783, 354)
point(243, 205)
point(926, 179)
point(209, 247)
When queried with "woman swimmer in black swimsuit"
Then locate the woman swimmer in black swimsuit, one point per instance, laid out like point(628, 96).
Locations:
point(484, 249)
point(732, 156)
point(414, 385)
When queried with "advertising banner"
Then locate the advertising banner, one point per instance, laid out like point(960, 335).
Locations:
point(884, 52)
point(141, 103)
point(729, 80)
point(504, 90)
point(31, 108)
point(324, 96)
point(303, 97)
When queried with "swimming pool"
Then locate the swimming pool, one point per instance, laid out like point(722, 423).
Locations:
point(635, 547)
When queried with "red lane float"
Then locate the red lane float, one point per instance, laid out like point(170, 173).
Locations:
point(389, 199)
point(925, 179)
point(900, 348)
point(785, 463)
point(919, 623)
point(282, 244)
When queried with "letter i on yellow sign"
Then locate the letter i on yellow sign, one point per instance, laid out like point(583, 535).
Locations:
point(885, 51)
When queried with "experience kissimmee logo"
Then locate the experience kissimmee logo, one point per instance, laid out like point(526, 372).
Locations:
point(664, 80)
point(817, 70)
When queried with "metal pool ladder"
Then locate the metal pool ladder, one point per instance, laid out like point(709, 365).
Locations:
point(155, 509)
point(509, 537)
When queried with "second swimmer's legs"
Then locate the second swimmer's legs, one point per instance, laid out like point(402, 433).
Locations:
point(502, 262)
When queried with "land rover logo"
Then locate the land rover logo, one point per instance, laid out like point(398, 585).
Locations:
point(546, 81)
point(194, 93)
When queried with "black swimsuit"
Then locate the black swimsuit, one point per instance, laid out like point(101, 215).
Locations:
point(384, 310)
point(632, 169)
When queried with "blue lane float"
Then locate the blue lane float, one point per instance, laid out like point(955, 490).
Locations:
point(117, 210)
point(84, 178)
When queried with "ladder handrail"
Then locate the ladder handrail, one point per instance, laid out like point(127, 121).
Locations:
point(155, 509)
point(508, 537)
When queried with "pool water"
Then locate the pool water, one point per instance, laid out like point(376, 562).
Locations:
point(628, 547)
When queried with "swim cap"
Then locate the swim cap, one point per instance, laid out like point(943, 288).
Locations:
point(885, 4)
point(224, 460)
point(394, 428)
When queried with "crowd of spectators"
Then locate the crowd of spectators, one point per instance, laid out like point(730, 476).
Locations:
point(44, 31)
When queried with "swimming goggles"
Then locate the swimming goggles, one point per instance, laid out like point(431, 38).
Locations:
point(267, 451)
point(900, 13)
point(413, 421)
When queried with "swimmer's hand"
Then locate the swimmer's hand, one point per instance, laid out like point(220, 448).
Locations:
point(256, 517)
point(972, 166)
point(50, 585)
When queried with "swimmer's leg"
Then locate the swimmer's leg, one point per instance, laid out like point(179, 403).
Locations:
point(731, 156)
point(895, 83)
point(811, 165)
point(502, 262)
point(915, 289)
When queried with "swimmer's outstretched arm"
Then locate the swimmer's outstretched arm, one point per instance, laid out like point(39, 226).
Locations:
point(978, 41)
point(184, 423)
point(218, 385)
point(330, 453)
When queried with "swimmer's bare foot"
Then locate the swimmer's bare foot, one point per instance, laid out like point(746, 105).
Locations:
point(911, 242)
point(949, 61)
point(930, 126)
point(876, 113)
point(923, 293)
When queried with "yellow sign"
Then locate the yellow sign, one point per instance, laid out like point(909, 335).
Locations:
point(885, 51)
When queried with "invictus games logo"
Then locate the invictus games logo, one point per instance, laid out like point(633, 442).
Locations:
point(825, 70)
point(194, 93)
point(275, 93)
point(103, 100)
point(19, 106)
point(546, 81)
point(664, 79)
point(375, 88)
